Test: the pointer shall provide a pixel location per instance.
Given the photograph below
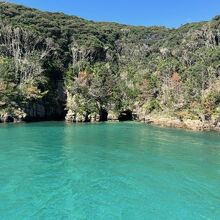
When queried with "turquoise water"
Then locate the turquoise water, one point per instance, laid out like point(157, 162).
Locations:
point(107, 171)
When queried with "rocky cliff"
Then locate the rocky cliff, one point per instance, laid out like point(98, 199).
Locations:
point(54, 66)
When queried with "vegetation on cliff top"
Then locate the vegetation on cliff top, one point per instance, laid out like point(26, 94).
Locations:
point(107, 67)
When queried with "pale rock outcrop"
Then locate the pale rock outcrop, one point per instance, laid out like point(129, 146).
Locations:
point(112, 116)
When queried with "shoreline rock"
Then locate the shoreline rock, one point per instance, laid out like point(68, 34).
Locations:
point(170, 122)
point(188, 124)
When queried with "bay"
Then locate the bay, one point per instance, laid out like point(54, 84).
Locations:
point(55, 170)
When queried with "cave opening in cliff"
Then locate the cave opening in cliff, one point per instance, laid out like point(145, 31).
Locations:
point(216, 41)
point(103, 115)
point(125, 116)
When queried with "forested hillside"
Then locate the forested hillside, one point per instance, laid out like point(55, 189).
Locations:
point(55, 66)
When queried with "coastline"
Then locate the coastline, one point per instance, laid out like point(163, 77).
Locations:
point(161, 121)
point(188, 124)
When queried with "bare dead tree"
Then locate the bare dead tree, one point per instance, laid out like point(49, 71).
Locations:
point(27, 51)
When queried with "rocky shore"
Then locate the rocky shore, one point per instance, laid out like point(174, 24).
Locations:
point(160, 120)
point(189, 124)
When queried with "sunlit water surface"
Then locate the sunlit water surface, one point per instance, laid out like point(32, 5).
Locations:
point(107, 171)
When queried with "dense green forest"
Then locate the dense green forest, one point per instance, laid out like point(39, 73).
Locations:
point(54, 66)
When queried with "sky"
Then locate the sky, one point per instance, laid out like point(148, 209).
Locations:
point(169, 13)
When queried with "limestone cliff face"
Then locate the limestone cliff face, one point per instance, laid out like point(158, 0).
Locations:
point(77, 113)
point(74, 114)
point(49, 108)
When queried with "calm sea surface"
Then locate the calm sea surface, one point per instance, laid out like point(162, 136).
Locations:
point(55, 170)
